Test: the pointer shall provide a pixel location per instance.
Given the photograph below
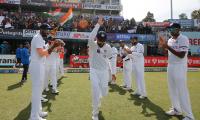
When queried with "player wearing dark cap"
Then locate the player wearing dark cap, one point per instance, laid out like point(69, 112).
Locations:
point(100, 52)
point(127, 66)
point(177, 47)
point(137, 53)
point(37, 69)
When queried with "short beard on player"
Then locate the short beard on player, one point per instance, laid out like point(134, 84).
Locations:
point(174, 32)
point(134, 43)
point(44, 33)
point(100, 43)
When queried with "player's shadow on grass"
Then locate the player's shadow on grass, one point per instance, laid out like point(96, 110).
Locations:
point(147, 105)
point(101, 116)
point(14, 86)
point(117, 88)
point(60, 81)
point(24, 114)
point(48, 105)
point(50, 96)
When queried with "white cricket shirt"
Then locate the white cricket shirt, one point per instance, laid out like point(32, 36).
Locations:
point(99, 57)
point(37, 42)
point(179, 44)
point(114, 52)
point(122, 52)
point(52, 58)
point(137, 52)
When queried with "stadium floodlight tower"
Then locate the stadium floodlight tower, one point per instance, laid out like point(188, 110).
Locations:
point(171, 7)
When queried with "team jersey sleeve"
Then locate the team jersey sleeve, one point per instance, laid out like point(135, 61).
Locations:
point(120, 52)
point(39, 43)
point(109, 54)
point(93, 34)
point(115, 52)
point(184, 44)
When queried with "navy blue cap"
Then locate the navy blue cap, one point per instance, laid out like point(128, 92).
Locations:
point(174, 25)
point(101, 35)
point(46, 26)
point(132, 38)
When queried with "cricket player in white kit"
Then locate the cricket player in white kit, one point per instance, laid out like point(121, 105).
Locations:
point(127, 66)
point(37, 69)
point(50, 68)
point(137, 51)
point(61, 56)
point(177, 47)
point(113, 64)
point(100, 52)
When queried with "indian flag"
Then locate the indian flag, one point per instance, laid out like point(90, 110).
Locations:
point(54, 13)
point(67, 16)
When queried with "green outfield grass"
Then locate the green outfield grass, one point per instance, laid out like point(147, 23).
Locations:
point(74, 100)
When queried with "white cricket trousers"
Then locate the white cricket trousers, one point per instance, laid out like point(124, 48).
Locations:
point(138, 71)
point(127, 70)
point(99, 82)
point(50, 71)
point(113, 64)
point(178, 91)
point(61, 67)
point(58, 68)
point(37, 76)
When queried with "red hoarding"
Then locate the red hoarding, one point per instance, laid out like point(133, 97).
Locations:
point(77, 61)
point(156, 24)
point(2, 1)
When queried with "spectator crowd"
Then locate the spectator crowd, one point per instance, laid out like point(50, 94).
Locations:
point(79, 23)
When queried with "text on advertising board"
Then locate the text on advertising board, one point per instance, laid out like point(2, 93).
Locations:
point(29, 33)
point(13, 1)
point(102, 7)
point(7, 60)
point(67, 5)
point(82, 61)
point(12, 32)
point(195, 41)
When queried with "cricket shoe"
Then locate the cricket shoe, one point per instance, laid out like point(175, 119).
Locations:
point(126, 88)
point(36, 118)
point(173, 112)
point(135, 93)
point(43, 114)
point(55, 91)
point(47, 89)
point(44, 100)
point(142, 97)
point(187, 118)
point(95, 115)
point(123, 86)
point(44, 96)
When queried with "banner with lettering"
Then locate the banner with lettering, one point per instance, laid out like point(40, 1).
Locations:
point(77, 61)
point(194, 38)
point(7, 60)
